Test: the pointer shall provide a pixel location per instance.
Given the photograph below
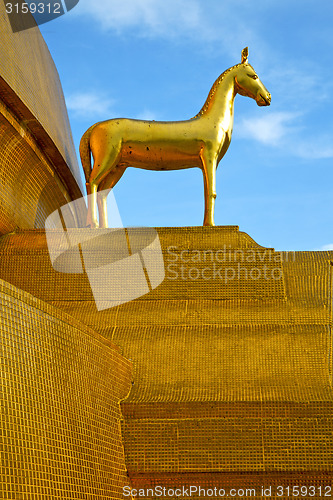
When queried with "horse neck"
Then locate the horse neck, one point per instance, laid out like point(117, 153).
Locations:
point(219, 105)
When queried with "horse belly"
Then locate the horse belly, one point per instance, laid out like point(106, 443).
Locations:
point(157, 157)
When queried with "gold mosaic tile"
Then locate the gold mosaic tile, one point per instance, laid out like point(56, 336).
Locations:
point(61, 384)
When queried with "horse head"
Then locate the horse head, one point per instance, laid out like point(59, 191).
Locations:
point(248, 83)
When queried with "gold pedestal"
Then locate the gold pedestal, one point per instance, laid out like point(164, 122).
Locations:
point(231, 357)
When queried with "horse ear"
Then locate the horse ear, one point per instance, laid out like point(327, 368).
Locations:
point(245, 55)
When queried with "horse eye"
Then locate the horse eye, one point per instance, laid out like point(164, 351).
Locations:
point(255, 77)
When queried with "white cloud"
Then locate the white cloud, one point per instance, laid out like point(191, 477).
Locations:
point(149, 17)
point(270, 129)
point(281, 130)
point(315, 149)
point(201, 20)
point(86, 104)
point(326, 247)
point(146, 114)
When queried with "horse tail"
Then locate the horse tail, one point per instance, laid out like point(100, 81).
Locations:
point(85, 153)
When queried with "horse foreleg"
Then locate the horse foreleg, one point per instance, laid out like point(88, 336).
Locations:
point(209, 176)
point(102, 207)
point(105, 187)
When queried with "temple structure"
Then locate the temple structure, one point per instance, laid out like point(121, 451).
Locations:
point(221, 377)
point(61, 382)
point(38, 165)
point(232, 365)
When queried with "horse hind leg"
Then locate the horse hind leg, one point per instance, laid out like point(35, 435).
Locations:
point(105, 162)
point(104, 189)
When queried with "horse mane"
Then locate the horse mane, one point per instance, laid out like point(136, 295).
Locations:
point(213, 90)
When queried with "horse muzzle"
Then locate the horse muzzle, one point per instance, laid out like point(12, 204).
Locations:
point(263, 98)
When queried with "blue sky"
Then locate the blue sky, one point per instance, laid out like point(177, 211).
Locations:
point(157, 59)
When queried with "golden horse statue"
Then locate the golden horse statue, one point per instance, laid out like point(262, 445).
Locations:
point(200, 142)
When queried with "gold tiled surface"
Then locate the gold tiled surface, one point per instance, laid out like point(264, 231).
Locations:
point(228, 363)
point(242, 444)
point(61, 384)
point(30, 86)
point(262, 290)
point(29, 189)
point(38, 166)
point(301, 296)
point(228, 377)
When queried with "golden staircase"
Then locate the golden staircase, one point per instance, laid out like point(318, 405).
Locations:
point(232, 358)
